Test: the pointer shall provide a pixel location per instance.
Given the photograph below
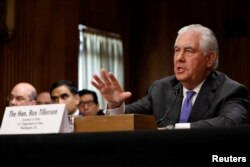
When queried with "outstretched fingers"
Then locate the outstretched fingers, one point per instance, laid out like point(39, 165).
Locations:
point(97, 82)
point(105, 81)
point(110, 88)
point(114, 81)
point(105, 77)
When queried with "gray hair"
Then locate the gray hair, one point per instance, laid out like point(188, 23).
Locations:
point(208, 41)
point(33, 95)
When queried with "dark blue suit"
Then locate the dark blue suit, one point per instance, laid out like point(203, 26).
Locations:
point(221, 102)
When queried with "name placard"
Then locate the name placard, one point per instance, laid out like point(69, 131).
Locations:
point(50, 118)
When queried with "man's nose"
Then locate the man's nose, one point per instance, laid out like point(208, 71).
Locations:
point(13, 102)
point(61, 101)
point(180, 55)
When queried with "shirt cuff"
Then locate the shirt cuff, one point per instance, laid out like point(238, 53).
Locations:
point(182, 126)
point(119, 110)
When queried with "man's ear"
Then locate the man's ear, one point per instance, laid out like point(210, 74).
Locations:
point(211, 58)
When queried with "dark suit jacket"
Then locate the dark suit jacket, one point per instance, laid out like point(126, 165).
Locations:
point(221, 102)
point(100, 112)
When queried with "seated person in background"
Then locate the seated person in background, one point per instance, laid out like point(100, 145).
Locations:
point(22, 94)
point(89, 105)
point(43, 98)
point(197, 96)
point(64, 91)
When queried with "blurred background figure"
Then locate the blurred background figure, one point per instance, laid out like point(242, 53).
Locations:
point(65, 92)
point(22, 94)
point(88, 104)
point(43, 98)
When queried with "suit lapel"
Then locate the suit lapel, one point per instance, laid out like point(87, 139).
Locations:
point(204, 99)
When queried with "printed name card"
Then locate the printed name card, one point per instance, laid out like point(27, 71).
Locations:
point(35, 119)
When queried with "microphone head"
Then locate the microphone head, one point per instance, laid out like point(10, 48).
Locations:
point(176, 91)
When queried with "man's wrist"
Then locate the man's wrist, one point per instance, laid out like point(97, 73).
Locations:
point(113, 105)
point(169, 127)
point(119, 110)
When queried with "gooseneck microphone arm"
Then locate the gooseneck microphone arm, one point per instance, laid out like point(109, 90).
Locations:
point(176, 91)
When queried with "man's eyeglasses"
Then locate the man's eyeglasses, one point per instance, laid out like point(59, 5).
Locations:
point(17, 98)
point(88, 103)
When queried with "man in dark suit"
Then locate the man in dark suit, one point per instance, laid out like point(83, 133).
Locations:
point(216, 100)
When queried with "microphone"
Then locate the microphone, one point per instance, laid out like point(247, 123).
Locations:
point(176, 92)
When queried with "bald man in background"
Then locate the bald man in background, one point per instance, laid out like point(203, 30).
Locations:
point(43, 98)
point(22, 94)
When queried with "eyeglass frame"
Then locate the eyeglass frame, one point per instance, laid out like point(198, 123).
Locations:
point(18, 98)
point(88, 103)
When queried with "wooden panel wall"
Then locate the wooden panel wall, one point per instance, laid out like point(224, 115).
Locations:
point(45, 46)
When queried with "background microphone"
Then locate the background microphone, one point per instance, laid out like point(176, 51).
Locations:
point(176, 92)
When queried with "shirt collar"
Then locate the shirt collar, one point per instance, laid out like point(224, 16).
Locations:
point(196, 89)
point(77, 112)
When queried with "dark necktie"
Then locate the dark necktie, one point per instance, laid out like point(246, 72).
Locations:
point(187, 107)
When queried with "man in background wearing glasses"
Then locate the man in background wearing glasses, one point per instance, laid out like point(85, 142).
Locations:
point(89, 105)
point(22, 94)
